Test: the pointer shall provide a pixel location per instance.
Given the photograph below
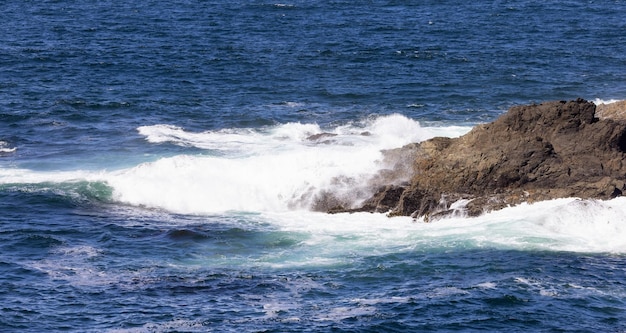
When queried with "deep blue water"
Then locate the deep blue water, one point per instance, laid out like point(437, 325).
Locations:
point(155, 174)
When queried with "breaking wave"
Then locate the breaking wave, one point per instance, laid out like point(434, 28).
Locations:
point(286, 167)
point(281, 172)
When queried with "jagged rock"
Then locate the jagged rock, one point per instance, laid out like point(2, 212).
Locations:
point(531, 153)
point(615, 110)
point(322, 138)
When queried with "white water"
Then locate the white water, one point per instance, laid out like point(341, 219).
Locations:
point(599, 101)
point(4, 148)
point(277, 171)
point(323, 240)
point(567, 224)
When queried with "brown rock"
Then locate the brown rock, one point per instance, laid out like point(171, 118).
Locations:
point(615, 110)
point(533, 152)
point(320, 136)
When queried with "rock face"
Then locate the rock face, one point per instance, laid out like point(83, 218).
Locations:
point(614, 111)
point(533, 152)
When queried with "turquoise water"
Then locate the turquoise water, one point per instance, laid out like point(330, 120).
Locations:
point(157, 172)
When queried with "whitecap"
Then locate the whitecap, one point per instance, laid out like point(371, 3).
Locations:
point(340, 313)
point(487, 285)
point(4, 147)
point(599, 101)
point(176, 325)
point(276, 168)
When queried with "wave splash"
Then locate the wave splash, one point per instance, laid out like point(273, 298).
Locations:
point(281, 172)
point(567, 224)
point(292, 166)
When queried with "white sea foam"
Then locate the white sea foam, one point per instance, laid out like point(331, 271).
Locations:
point(487, 285)
point(277, 168)
point(4, 148)
point(277, 172)
point(343, 312)
point(599, 101)
point(568, 224)
point(26, 176)
point(176, 325)
point(382, 132)
point(83, 251)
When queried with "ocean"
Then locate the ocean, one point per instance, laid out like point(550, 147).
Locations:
point(160, 164)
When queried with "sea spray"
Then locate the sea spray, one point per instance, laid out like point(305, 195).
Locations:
point(292, 166)
point(286, 167)
point(279, 172)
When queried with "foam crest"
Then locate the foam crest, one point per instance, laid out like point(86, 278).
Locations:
point(223, 140)
point(383, 132)
point(567, 224)
point(599, 101)
point(285, 167)
point(26, 176)
point(397, 127)
point(589, 225)
point(200, 185)
point(5, 148)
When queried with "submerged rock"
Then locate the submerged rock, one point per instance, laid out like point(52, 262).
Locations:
point(533, 152)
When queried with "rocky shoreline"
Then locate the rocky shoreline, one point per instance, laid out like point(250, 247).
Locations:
point(533, 152)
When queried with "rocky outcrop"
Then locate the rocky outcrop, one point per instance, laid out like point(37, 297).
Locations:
point(533, 152)
point(615, 111)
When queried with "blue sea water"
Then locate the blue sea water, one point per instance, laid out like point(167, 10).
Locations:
point(157, 172)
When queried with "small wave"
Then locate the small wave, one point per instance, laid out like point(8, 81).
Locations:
point(416, 106)
point(74, 186)
point(4, 148)
point(283, 5)
point(176, 325)
point(82, 251)
point(599, 101)
point(384, 132)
